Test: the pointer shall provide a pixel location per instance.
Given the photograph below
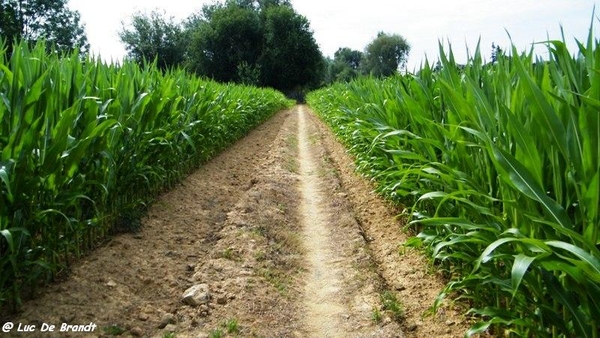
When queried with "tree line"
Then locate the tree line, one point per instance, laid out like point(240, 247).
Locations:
point(381, 58)
point(257, 42)
point(264, 43)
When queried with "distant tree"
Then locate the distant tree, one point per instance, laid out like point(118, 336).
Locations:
point(154, 36)
point(263, 4)
point(225, 42)
point(350, 57)
point(10, 28)
point(291, 57)
point(345, 64)
point(262, 42)
point(386, 54)
point(49, 20)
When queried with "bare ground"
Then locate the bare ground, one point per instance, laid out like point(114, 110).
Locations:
point(291, 242)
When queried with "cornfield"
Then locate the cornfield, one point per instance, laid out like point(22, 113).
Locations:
point(86, 146)
point(497, 165)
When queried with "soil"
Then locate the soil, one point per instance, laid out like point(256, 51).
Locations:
point(290, 241)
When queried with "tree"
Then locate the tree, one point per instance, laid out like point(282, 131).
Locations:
point(49, 20)
point(224, 39)
point(291, 58)
point(345, 65)
point(152, 37)
point(261, 42)
point(386, 54)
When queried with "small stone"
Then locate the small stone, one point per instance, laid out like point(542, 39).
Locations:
point(450, 322)
point(202, 335)
point(196, 295)
point(136, 331)
point(143, 317)
point(222, 300)
point(204, 310)
point(111, 284)
point(171, 328)
point(167, 319)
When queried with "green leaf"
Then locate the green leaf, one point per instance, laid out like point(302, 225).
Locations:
point(590, 260)
point(519, 268)
point(548, 117)
point(9, 239)
point(522, 179)
point(4, 172)
point(558, 292)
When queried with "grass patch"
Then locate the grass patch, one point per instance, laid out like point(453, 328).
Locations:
point(216, 333)
point(232, 326)
point(114, 330)
point(376, 315)
point(392, 305)
point(228, 254)
point(276, 279)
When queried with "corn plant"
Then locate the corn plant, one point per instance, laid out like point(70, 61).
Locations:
point(498, 167)
point(85, 146)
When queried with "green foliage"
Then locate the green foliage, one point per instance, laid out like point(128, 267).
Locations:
point(216, 333)
point(152, 37)
point(376, 315)
point(392, 305)
point(114, 330)
point(385, 54)
point(264, 43)
point(499, 167)
point(50, 20)
point(223, 39)
point(291, 58)
point(84, 146)
point(248, 74)
point(232, 326)
point(345, 65)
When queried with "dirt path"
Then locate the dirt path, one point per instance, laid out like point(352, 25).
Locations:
point(287, 239)
point(323, 280)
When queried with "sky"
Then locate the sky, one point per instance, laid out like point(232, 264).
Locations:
point(353, 24)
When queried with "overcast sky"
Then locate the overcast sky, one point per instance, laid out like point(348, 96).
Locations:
point(344, 23)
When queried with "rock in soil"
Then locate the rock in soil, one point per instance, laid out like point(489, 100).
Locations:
point(171, 328)
point(137, 331)
point(196, 295)
point(167, 319)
